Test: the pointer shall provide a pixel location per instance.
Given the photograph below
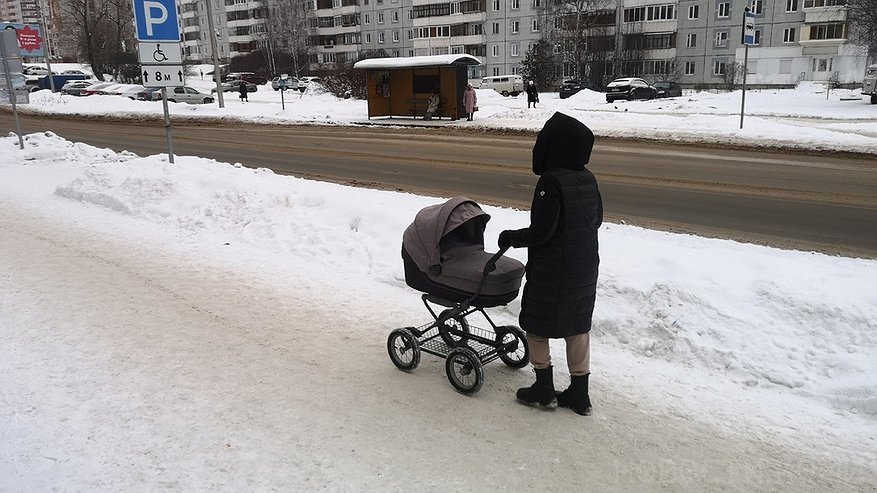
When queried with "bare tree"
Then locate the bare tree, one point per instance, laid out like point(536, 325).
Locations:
point(582, 37)
point(863, 22)
point(732, 76)
point(284, 37)
point(101, 31)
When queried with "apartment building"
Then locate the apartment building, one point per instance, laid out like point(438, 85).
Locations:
point(795, 40)
point(694, 41)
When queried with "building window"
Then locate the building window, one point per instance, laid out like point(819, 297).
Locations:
point(827, 31)
point(380, 17)
point(368, 37)
point(721, 39)
point(757, 37)
point(514, 48)
point(691, 41)
point(756, 7)
point(395, 36)
point(791, 5)
point(718, 67)
point(515, 27)
point(495, 51)
point(789, 35)
point(724, 10)
point(395, 16)
point(650, 13)
point(689, 68)
point(516, 4)
point(822, 64)
point(496, 28)
point(823, 3)
point(495, 5)
point(368, 19)
point(537, 3)
point(495, 70)
point(381, 37)
point(693, 11)
point(535, 25)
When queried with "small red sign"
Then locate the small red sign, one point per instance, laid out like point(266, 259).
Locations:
point(29, 40)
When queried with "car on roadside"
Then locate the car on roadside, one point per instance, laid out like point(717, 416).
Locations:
point(630, 88)
point(668, 89)
point(570, 87)
point(75, 87)
point(95, 88)
point(289, 83)
point(36, 70)
point(304, 81)
point(247, 76)
point(131, 91)
point(77, 72)
point(234, 85)
point(175, 95)
point(113, 89)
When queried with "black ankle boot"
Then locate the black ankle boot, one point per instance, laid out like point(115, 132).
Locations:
point(576, 396)
point(540, 394)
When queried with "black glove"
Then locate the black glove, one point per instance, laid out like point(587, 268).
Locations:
point(505, 239)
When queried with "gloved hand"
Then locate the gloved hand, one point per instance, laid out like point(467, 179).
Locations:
point(505, 239)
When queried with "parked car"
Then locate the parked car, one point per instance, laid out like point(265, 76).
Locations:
point(668, 89)
point(289, 83)
point(234, 86)
point(247, 76)
point(305, 80)
point(75, 87)
point(175, 95)
point(95, 88)
point(630, 88)
point(113, 89)
point(571, 87)
point(77, 72)
point(131, 91)
point(35, 70)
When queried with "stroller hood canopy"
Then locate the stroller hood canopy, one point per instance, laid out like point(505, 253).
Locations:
point(421, 239)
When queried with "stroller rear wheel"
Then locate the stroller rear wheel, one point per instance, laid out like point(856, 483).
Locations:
point(464, 370)
point(454, 330)
point(404, 349)
point(512, 346)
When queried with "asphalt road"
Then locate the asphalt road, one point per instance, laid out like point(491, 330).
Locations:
point(825, 203)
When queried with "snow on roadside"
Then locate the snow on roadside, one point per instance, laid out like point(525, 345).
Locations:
point(697, 326)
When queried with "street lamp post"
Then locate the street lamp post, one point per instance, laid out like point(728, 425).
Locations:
point(217, 77)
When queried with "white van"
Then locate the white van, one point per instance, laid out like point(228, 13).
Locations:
point(504, 84)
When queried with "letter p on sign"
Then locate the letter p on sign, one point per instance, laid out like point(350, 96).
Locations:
point(156, 20)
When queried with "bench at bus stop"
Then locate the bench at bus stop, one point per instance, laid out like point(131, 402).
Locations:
point(417, 107)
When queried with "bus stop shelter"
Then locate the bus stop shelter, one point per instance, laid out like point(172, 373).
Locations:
point(402, 86)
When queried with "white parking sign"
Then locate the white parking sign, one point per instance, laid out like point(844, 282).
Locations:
point(156, 20)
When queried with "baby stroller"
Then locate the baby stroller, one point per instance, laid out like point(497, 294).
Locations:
point(444, 257)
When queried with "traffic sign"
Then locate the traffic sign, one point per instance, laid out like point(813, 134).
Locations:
point(156, 20)
point(160, 53)
point(21, 96)
point(748, 28)
point(164, 76)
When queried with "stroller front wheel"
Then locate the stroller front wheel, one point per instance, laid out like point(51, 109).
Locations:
point(454, 331)
point(404, 349)
point(464, 369)
point(512, 346)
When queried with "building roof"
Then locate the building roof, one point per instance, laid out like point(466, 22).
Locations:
point(416, 61)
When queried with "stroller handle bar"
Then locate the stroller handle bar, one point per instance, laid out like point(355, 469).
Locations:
point(490, 266)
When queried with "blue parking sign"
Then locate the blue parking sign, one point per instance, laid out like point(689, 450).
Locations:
point(156, 20)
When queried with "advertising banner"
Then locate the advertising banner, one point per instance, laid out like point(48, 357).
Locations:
point(31, 42)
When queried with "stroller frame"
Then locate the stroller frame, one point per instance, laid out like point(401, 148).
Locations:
point(466, 348)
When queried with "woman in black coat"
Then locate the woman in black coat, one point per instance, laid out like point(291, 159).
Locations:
point(532, 94)
point(243, 90)
point(563, 260)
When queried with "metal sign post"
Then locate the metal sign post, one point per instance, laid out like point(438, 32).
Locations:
point(283, 79)
point(161, 56)
point(8, 36)
point(748, 39)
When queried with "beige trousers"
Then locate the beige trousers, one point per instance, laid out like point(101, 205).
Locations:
point(578, 353)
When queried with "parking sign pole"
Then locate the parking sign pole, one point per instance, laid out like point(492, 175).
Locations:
point(167, 126)
point(9, 87)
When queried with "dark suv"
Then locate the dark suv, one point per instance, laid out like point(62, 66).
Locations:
point(630, 88)
point(571, 87)
point(668, 89)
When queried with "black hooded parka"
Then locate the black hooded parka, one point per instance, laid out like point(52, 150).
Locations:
point(567, 211)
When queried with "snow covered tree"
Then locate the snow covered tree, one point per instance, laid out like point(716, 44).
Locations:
point(538, 65)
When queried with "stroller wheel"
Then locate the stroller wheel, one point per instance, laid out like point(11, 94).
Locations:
point(404, 349)
point(464, 370)
point(454, 331)
point(512, 346)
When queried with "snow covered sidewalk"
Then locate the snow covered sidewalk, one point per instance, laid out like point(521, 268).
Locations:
point(127, 367)
point(206, 327)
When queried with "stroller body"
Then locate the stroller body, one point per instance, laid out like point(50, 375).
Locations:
point(443, 256)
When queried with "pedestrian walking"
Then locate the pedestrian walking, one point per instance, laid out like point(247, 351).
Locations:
point(562, 263)
point(243, 90)
point(202, 74)
point(470, 102)
point(532, 94)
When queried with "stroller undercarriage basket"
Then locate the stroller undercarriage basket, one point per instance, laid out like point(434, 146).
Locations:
point(443, 255)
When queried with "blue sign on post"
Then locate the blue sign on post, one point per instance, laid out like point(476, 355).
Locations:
point(748, 28)
point(156, 20)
